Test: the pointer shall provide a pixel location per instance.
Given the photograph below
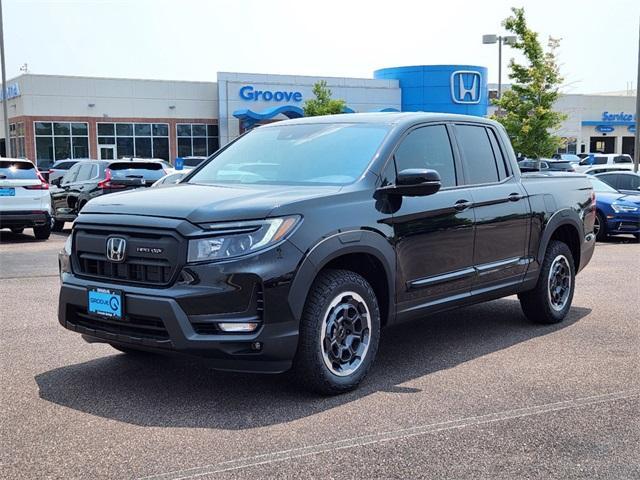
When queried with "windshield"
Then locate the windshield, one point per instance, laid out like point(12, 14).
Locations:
point(303, 154)
point(17, 170)
point(600, 186)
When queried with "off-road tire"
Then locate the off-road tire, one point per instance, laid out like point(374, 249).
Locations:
point(309, 368)
point(537, 304)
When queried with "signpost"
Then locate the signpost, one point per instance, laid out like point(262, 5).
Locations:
point(5, 113)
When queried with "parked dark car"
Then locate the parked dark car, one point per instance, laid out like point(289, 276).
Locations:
point(623, 181)
point(545, 164)
point(616, 212)
point(294, 244)
point(92, 178)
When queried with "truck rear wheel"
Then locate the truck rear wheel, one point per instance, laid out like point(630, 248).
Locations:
point(550, 300)
point(339, 333)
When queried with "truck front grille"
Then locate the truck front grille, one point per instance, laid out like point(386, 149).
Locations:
point(150, 258)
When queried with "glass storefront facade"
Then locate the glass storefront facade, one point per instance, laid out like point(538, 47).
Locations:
point(197, 139)
point(16, 139)
point(143, 140)
point(60, 140)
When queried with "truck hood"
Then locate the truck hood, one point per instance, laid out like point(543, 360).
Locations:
point(205, 203)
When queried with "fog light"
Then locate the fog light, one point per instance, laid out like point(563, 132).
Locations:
point(238, 327)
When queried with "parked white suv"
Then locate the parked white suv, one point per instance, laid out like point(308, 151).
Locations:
point(597, 159)
point(24, 198)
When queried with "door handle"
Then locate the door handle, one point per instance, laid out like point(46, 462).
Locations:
point(461, 205)
point(514, 197)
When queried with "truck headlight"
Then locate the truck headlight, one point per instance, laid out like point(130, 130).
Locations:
point(240, 238)
point(619, 208)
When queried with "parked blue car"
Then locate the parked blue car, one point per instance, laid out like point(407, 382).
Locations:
point(617, 213)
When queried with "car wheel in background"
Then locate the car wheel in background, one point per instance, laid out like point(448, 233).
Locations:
point(17, 230)
point(42, 232)
point(56, 225)
point(600, 227)
point(339, 333)
point(550, 300)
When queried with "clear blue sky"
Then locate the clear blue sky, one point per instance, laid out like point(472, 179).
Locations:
point(192, 40)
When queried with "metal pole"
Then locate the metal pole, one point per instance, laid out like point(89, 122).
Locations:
point(636, 148)
point(7, 144)
point(499, 66)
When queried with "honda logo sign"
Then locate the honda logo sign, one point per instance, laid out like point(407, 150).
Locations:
point(116, 249)
point(466, 86)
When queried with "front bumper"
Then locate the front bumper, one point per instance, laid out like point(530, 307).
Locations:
point(623, 223)
point(182, 318)
point(23, 219)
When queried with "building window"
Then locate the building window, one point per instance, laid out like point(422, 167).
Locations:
point(16, 140)
point(197, 139)
point(142, 140)
point(60, 140)
point(569, 145)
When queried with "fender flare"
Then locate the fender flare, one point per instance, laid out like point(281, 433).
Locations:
point(561, 217)
point(334, 246)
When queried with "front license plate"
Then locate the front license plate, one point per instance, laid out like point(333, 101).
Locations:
point(7, 192)
point(105, 302)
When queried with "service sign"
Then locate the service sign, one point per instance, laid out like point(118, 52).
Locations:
point(604, 128)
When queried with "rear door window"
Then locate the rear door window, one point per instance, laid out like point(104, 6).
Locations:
point(477, 155)
point(428, 147)
point(600, 161)
point(17, 170)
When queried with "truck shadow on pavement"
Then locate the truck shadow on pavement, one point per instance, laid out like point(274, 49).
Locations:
point(169, 391)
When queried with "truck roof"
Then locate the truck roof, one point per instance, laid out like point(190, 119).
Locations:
point(384, 118)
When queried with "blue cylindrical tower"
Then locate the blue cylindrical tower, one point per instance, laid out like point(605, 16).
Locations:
point(441, 88)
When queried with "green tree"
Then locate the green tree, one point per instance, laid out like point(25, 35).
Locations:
point(323, 104)
point(526, 110)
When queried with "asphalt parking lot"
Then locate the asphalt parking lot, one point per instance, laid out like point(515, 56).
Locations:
point(476, 393)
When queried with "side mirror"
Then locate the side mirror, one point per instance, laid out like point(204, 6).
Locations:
point(415, 182)
point(56, 181)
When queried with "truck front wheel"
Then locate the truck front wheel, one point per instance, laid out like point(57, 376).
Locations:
point(339, 333)
point(550, 300)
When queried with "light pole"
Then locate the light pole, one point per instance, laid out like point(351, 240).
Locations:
point(7, 145)
point(499, 39)
point(636, 147)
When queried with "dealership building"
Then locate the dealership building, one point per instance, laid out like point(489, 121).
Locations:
point(53, 117)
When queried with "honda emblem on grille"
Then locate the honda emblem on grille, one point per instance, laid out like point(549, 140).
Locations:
point(116, 249)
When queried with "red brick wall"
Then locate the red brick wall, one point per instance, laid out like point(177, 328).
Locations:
point(30, 143)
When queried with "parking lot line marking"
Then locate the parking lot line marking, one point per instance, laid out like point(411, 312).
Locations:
point(360, 441)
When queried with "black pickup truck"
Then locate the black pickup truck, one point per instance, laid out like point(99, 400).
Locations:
point(291, 247)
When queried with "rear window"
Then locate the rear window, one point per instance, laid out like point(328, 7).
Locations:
point(147, 170)
point(193, 162)
point(17, 170)
point(63, 165)
point(622, 159)
point(559, 165)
